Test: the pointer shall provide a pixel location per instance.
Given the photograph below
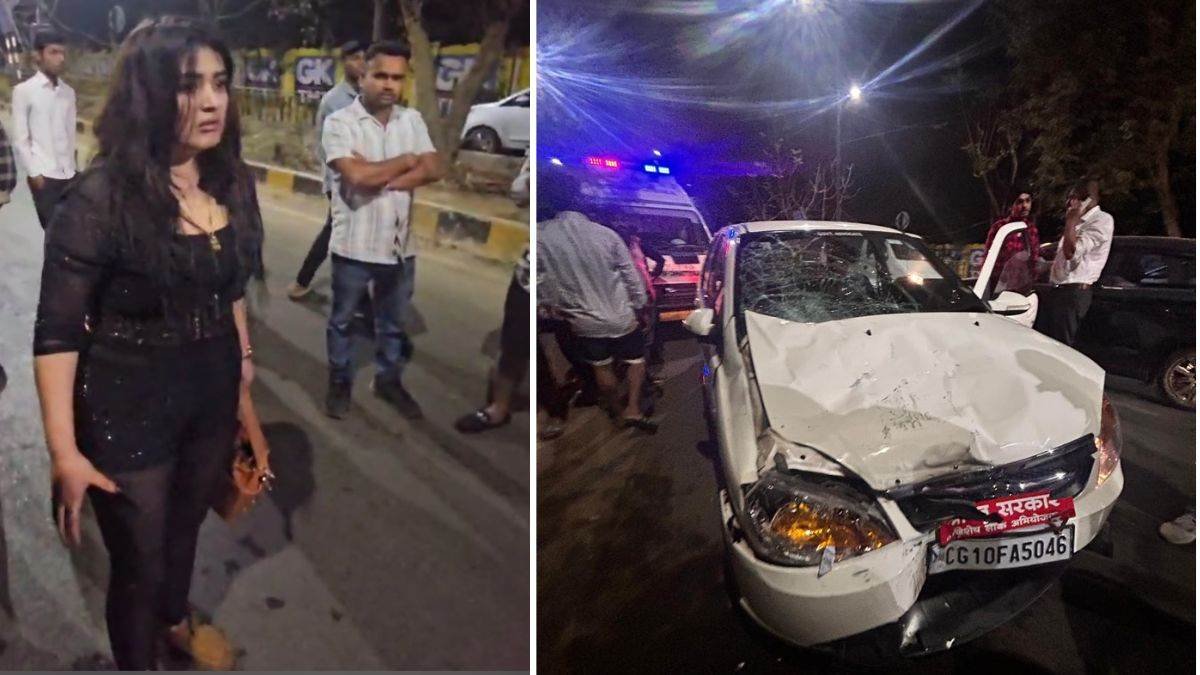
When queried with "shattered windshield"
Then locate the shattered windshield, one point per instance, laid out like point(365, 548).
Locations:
point(663, 229)
point(820, 275)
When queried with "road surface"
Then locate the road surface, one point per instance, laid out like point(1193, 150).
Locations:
point(630, 558)
point(385, 545)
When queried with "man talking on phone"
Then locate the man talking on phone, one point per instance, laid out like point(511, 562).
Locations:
point(1082, 253)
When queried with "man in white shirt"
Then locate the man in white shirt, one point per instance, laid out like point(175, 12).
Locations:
point(44, 125)
point(379, 152)
point(1082, 254)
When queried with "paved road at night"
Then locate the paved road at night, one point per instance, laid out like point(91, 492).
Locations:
point(630, 558)
point(385, 545)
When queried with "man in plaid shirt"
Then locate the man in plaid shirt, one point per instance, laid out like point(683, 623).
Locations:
point(1025, 241)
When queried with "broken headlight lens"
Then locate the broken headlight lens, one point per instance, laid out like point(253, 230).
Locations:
point(1108, 442)
point(794, 517)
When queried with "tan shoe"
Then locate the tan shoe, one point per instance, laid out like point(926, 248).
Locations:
point(205, 644)
point(295, 291)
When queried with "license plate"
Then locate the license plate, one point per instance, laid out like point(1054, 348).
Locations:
point(1002, 553)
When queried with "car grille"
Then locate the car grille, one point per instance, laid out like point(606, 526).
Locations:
point(1063, 472)
point(677, 296)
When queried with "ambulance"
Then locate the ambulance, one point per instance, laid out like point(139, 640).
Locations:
point(643, 196)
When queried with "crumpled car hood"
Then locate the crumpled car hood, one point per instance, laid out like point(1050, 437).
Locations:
point(901, 398)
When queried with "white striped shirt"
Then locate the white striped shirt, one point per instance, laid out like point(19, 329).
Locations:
point(44, 127)
point(371, 226)
point(585, 272)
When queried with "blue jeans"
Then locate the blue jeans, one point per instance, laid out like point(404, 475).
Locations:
point(392, 295)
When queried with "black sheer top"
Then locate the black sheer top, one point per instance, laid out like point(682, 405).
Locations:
point(94, 287)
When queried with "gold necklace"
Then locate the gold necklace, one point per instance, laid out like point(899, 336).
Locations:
point(211, 231)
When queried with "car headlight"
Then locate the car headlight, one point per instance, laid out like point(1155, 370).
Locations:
point(794, 517)
point(1108, 441)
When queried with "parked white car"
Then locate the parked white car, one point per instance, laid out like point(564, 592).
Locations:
point(519, 190)
point(499, 126)
point(889, 442)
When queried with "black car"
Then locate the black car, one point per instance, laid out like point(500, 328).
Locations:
point(1142, 321)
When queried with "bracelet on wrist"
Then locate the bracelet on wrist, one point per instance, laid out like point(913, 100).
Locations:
point(247, 353)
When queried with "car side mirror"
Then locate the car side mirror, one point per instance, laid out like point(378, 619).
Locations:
point(700, 322)
point(1009, 303)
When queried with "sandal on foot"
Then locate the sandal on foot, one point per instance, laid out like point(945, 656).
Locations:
point(551, 429)
point(205, 644)
point(480, 420)
point(643, 423)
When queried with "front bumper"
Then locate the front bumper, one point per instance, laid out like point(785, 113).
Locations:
point(883, 587)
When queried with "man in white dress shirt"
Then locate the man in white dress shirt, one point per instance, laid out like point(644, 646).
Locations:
point(44, 125)
point(1082, 254)
point(379, 152)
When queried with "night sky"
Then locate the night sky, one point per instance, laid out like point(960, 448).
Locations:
point(704, 81)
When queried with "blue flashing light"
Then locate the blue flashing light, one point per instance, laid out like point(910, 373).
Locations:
point(657, 153)
point(650, 168)
point(664, 170)
point(556, 161)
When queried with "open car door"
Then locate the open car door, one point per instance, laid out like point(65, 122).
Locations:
point(1008, 289)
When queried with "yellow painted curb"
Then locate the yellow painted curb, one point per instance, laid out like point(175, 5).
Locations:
point(281, 179)
point(424, 219)
point(506, 240)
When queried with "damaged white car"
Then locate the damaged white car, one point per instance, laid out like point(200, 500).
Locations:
point(900, 462)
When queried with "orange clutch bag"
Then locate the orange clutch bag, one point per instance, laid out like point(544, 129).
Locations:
point(250, 474)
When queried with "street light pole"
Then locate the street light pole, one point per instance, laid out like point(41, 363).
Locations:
point(856, 95)
point(837, 137)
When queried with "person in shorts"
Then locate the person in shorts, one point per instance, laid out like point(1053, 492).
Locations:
point(587, 277)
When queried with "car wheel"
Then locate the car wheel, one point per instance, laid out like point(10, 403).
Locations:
point(1177, 379)
point(484, 139)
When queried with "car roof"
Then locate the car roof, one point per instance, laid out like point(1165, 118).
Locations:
point(1173, 244)
point(810, 225)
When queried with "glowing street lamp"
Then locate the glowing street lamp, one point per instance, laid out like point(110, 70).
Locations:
point(856, 95)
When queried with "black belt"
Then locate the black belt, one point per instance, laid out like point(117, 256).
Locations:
point(1079, 286)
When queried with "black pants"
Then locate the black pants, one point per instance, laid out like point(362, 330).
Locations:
point(44, 200)
point(151, 526)
point(1062, 310)
point(514, 333)
point(316, 253)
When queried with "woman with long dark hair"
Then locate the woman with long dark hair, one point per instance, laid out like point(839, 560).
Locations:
point(141, 344)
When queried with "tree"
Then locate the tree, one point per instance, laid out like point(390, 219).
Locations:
point(494, 19)
point(1108, 91)
point(789, 189)
point(993, 141)
point(379, 17)
point(316, 16)
point(221, 11)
